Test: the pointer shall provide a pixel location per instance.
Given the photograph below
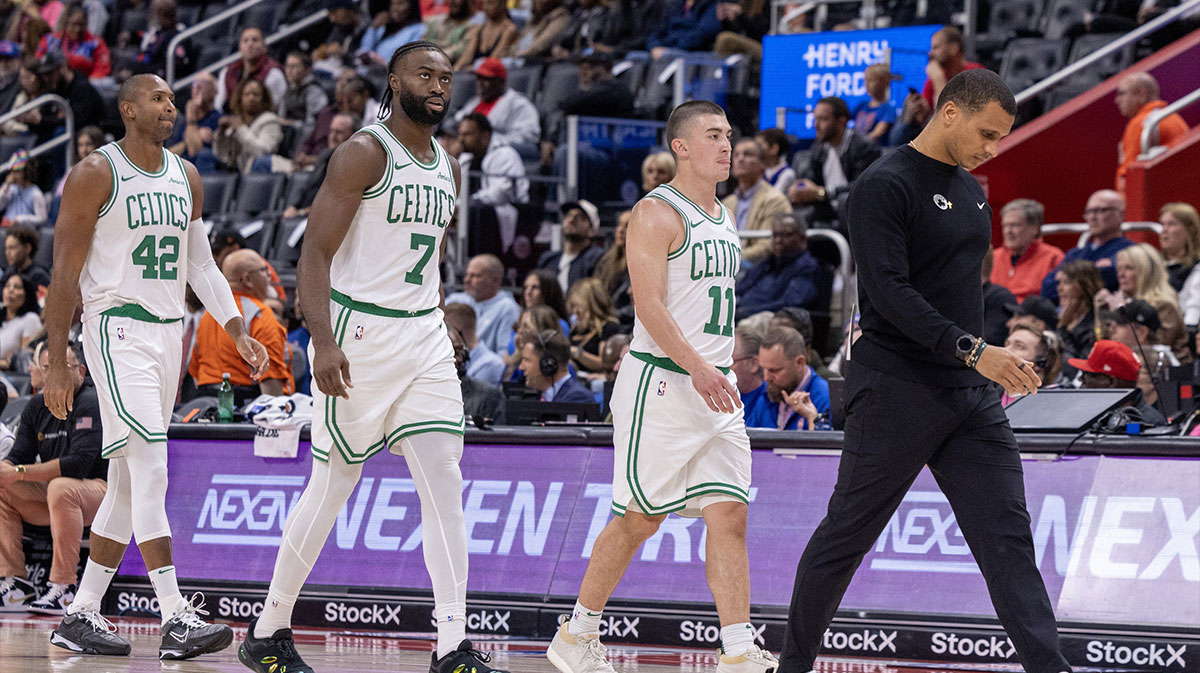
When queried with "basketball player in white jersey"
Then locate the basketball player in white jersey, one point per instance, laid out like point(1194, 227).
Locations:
point(678, 429)
point(129, 239)
point(382, 361)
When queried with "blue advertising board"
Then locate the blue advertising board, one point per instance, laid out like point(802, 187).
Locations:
point(799, 70)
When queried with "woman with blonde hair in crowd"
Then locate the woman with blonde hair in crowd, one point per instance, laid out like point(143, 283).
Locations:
point(533, 320)
point(612, 269)
point(1142, 274)
point(1078, 282)
point(1180, 242)
point(657, 169)
point(595, 322)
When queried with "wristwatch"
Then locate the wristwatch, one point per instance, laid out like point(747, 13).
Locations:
point(963, 347)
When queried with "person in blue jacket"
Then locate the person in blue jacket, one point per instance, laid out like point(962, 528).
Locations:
point(799, 395)
point(788, 277)
point(691, 25)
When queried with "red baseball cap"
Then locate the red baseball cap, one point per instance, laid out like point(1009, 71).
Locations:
point(491, 67)
point(1109, 357)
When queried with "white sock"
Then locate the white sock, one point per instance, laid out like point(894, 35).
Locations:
point(276, 614)
point(166, 587)
point(96, 579)
point(737, 639)
point(584, 622)
point(450, 634)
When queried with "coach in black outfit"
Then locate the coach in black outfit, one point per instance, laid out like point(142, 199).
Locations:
point(919, 228)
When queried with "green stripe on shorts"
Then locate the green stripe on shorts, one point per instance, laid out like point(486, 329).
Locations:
point(110, 375)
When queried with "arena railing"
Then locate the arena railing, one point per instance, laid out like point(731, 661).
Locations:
point(1133, 36)
point(283, 31)
point(783, 11)
point(1150, 145)
point(67, 138)
point(845, 268)
point(1081, 228)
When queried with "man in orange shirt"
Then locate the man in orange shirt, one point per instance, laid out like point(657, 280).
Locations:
point(215, 353)
point(1137, 97)
point(1024, 260)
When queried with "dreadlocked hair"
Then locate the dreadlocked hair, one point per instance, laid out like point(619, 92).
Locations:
point(385, 105)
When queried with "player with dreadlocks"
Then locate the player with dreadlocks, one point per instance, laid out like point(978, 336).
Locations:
point(369, 271)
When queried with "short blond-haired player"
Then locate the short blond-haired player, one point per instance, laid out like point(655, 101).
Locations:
point(678, 429)
point(129, 239)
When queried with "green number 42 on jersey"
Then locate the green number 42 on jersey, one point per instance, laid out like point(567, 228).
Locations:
point(158, 257)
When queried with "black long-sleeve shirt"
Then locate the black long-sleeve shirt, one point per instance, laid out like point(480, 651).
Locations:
point(75, 442)
point(919, 229)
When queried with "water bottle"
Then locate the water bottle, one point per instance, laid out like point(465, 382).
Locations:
point(225, 400)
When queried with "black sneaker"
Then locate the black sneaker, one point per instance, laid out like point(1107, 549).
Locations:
point(271, 655)
point(15, 593)
point(186, 635)
point(54, 601)
point(90, 633)
point(466, 659)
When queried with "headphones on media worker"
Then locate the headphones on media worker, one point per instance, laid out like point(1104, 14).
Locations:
point(547, 364)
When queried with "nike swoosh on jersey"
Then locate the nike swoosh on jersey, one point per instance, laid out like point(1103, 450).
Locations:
point(127, 178)
point(399, 166)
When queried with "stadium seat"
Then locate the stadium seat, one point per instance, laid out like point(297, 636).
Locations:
point(1009, 20)
point(218, 192)
point(261, 16)
point(10, 144)
point(1029, 60)
point(288, 239)
point(133, 21)
point(12, 412)
point(560, 81)
point(45, 252)
point(296, 184)
point(525, 80)
point(258, 193)
point(1108, 65)
point(1062, 14)
point(462, 89)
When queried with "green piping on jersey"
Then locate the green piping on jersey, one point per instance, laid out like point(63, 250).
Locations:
point(388, 171)
point(409, 429)
point(161, 172)
point(432, 146)
point(635, 438)
point(191, 196)
point(110, 375)
point(687, 228)
point(114, 447)
point(112, 167)
point(339, 440)
point(136, 312)
point(666, 363)
point(631, 462)
point(700, 210)
point(373, 309)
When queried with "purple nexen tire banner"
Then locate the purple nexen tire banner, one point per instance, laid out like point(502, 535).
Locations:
point(1116, 539)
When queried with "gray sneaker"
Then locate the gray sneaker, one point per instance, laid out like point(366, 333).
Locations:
point(54, 601)
point(583, 654)
point(186, 635)
point(15, 593)
point(90, 633)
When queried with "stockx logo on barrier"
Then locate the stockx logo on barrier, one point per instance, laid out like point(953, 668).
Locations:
point(991, 647)
point(372, 614)
point(487, 621)
point(865, 640)
point(695, 631)
point(1160, 656)
point(620, 627)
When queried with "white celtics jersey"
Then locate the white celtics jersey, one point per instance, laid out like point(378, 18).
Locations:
point(139, 251)
point(700, 280)
point(390, 255)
